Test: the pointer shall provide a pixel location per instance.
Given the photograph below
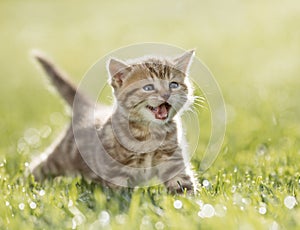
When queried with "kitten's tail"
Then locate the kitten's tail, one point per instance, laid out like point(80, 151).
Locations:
point(59, 79)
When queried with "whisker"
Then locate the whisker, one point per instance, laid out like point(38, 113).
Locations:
point(200, 104)
point(199, 99)
point(201, 108)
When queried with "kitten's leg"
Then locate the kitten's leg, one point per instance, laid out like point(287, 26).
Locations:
point(56, 160)
point(177, 175)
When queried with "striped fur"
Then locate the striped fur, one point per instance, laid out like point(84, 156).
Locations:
point(136, 142)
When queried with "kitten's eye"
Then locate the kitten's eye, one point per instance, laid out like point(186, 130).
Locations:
point(173, 85)
point(149, 87)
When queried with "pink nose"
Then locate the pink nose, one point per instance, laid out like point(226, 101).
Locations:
point(165, 96)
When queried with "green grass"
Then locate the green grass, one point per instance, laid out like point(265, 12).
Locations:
point(252, 48)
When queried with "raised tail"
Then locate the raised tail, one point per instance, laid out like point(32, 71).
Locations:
point(60, 80)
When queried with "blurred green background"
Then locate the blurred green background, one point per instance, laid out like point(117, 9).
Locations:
point(251, 47)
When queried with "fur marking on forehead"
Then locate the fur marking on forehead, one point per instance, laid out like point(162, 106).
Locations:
point(155, 66)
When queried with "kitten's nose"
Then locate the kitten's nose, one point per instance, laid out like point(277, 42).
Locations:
point(165, 96)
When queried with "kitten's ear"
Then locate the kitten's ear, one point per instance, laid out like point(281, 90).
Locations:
point(117, 71)
point(183, 62)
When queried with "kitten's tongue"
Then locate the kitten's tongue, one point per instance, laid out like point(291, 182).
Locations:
point(161, 112)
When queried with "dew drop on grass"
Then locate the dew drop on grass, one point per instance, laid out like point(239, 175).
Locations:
point(290, 202)
point(42, 192)
point(262, 210)
point(104, 218)
point(32, 205)
point(177, 204)
point(21, 206)
point(200, 214)
point(207, 211)
point(159, 225)
point(206, 183)
point(7, 203)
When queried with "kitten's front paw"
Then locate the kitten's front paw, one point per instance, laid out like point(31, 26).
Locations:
point(180, 184)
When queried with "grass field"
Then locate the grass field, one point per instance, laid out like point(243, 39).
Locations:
point(251, 47)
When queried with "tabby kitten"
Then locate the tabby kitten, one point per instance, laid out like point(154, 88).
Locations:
point(136, 140)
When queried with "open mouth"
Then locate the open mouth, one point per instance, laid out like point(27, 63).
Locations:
point(160, 112)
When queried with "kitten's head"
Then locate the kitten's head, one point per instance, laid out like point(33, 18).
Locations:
point(151, 89)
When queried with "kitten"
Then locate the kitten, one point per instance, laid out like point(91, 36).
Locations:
point(135, 141)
